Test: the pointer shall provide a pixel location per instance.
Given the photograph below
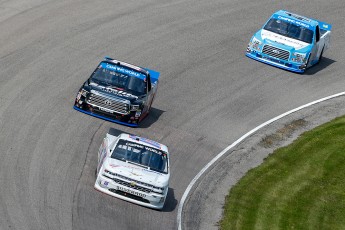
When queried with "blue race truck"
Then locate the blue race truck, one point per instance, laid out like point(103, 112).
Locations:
point(290, 41)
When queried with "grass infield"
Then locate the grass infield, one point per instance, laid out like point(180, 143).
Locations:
point(300, 186)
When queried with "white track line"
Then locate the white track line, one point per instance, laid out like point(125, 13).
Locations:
point(191, 184)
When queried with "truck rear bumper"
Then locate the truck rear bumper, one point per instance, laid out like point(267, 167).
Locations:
point(288, 66)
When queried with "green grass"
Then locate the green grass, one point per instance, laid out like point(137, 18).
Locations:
point(300, 186)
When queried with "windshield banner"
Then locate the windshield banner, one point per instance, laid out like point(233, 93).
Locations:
point(120, 69)
point(156, 144)
point(296, 22)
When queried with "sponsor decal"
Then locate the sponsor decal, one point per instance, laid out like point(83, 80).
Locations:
point(135, 174)
point(153, 150)
point(130, 191)
point(295, 43)
point(276, 51)
point(123, 70)
point(107, 102)
point(156, 144)
point(294, 21)
point(118, 92)
point(134, 145)
point(114, 166)
point(105, 110)
point(125, 166)
point(151, 171)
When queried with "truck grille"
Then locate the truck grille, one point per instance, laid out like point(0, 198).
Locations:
point(136, 181)
point(132, 185)
point(276, 52)
point(113, 104)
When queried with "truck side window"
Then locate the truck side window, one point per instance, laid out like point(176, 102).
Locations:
point(317, 34)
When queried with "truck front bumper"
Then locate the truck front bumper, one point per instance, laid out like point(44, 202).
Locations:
point(122, 120)
point(275, 62)
point(111, 188)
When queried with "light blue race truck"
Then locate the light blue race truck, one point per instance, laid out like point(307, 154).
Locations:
point(290, 41)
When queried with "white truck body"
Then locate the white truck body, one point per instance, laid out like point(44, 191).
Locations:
point(134, 169)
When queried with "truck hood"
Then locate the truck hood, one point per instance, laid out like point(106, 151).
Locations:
point(136, 172)
point(113, 92)
point(293, 43)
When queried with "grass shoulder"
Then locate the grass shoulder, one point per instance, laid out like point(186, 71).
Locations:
point(300, 186)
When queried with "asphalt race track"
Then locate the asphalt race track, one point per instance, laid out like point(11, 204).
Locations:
point(209, 95)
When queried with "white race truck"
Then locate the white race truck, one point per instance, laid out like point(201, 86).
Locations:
point(134, 169)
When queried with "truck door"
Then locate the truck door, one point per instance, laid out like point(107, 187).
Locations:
point(149, 95)
point(319, 43)
point(102, 153)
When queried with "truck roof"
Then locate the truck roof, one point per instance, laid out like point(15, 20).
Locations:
point(296, 19)
point(148, 72)
point(121, 63)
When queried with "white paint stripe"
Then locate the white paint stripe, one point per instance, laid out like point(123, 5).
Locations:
point(191, 184)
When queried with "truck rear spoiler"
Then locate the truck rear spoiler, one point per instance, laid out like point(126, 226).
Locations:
point(325, 26)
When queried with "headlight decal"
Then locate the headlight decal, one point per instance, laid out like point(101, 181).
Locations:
point(135, 107)
point(255, 43)
point(299, 57)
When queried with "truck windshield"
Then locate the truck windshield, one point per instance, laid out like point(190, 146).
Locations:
point(289, 30)
point(152, 158)
point(108, 75)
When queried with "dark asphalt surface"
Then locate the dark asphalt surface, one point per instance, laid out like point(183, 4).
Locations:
point(209, 95)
